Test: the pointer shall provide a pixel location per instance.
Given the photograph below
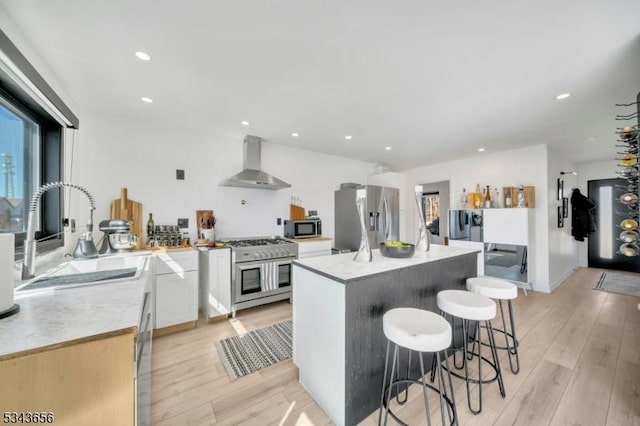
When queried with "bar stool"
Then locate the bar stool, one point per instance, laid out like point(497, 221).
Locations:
point(471, 307)
point(500, 290)
point(419, 331)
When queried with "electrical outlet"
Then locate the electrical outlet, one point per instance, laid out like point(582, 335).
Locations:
point(179, 174)
point(183, 222)
point(279, 221)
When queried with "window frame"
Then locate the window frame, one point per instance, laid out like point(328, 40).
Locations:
point(26, 90)
point(50, 165)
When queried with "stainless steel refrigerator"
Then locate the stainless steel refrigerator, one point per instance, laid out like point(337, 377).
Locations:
point(382, 216)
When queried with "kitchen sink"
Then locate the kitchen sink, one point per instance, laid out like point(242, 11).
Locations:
point(77, 273)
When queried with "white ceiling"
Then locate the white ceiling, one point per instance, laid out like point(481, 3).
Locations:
point(433, 80)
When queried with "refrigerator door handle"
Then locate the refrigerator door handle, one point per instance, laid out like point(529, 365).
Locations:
point(387, 219)
point(372, 222)
point(377, 221)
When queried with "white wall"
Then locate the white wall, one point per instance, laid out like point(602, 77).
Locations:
point(563, 249)
point(526, 166)
point(117, 152)
point(592, 171)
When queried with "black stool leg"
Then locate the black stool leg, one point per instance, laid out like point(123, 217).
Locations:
point(496, 360)
point(475, 340)
point(406, 386)
point(393, 372)
point(441, 388)
point(465, 332)
point(464, 336)
point(454, 420)
point(424, 391)
point(384, 383)
point(433, 359)
point(514, 340)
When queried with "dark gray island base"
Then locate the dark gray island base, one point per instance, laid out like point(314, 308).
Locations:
point(338, 305)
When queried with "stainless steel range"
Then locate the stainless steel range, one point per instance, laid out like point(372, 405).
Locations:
point(261, 270)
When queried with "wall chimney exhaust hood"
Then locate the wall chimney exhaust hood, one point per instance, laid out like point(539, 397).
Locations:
point(251, 176)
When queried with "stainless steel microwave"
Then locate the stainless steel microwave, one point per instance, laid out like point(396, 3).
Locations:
point(307, 228)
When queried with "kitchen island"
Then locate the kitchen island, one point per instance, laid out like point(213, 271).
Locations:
point(338, 304)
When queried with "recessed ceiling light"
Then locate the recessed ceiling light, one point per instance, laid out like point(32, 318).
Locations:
point(244, 123)
point(348, 137)
point(481, 149)
point(295, 135)
point(562, 96)
point(143, 56)
point(147, 100)
point(388, 148)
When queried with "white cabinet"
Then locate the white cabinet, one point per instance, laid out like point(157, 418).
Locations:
point(215, 281)
point(176, 288)
point(313, 247)
point(510, 244)
point(508, 226)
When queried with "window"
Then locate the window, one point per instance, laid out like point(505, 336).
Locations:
point(431, 206)
point(19, 159)
point(32, 118)
point(30, 155)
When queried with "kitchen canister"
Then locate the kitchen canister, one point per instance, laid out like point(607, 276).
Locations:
point(7, 276)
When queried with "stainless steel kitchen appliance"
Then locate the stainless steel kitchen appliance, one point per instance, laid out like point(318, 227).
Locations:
point(261, 270)
point(465, 225)
point(382, 215)
point(306, 228)
point(117, 236)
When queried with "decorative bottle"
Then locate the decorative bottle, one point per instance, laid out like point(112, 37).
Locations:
point(477, 199)
point(464, 200)
point(521, 202)
point(507, 199)
point(150, 229)
point(496, 198)
point(487, 198)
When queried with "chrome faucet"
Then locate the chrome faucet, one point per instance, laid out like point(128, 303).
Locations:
point(85, 247)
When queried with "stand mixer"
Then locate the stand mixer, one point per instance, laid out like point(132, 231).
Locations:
point(117, 237)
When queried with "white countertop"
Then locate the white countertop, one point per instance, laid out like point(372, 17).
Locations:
point(52, 317)
point(343, 268)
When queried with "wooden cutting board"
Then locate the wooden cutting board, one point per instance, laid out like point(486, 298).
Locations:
point(126, 209)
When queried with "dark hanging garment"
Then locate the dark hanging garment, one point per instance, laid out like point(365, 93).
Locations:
point(583, 215)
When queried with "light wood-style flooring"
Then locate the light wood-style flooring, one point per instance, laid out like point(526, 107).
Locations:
point(579, 355)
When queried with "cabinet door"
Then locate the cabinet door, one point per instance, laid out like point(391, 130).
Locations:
point(176, 298)
point(168, 263)
point(219, 282)
point(506, 226)
point(306, 255)
point(313, 246)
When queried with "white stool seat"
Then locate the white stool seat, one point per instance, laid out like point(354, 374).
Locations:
point(494, 288)
point(417, 329)
point(467, 305)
